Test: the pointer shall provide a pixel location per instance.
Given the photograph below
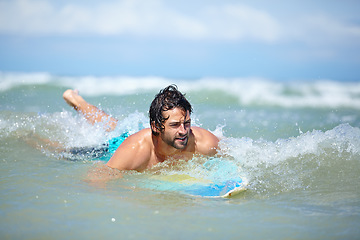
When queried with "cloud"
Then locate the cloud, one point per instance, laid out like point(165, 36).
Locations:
point(320, 29)
point(151, 18)
point(224, 20)
point(234, 21)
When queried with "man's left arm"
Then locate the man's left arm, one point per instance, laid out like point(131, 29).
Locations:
point(206, 142)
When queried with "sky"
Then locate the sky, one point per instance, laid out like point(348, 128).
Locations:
point(279, 40)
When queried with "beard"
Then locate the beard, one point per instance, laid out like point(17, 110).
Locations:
point(179, 142)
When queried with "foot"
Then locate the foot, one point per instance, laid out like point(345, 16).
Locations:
point(72, 98)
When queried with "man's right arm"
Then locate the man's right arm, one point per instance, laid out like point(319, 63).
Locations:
point(133, 154)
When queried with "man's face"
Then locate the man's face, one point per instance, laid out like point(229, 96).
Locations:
point(177, 128)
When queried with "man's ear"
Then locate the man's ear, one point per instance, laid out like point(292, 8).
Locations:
point(154, 128)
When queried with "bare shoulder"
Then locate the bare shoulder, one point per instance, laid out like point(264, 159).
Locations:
point(206, 143)
point(134, 153)
point(139, 137)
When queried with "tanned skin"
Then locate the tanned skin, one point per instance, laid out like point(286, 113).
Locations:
point(142, 150)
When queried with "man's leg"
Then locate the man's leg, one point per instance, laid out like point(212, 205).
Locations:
point(90, 112)
point(41, 143)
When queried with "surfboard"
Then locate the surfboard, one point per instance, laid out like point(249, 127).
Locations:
point(215, 178)
point(185, 184)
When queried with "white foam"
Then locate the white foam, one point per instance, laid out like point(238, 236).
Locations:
point(248, 91)
point(341, 139)
point(256, 91)
point(10, 80)
point(121, 85)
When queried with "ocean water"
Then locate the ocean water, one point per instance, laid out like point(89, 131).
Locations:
point(297, 143)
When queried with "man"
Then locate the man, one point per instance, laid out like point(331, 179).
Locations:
point(170, 135)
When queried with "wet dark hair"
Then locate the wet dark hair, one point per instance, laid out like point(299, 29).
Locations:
point(167, 99)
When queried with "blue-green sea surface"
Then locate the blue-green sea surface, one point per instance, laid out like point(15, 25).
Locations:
point(297, 144)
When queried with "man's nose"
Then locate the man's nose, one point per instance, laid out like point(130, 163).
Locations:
point(182, 128)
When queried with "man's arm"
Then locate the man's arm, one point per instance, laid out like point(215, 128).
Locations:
point(134, 153)
point(99, 174)
point(91, 113)
point(206, 142)
point(130, 155)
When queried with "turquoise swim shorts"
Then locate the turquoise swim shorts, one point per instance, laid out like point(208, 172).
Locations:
point(102, 152)
point(114, 143)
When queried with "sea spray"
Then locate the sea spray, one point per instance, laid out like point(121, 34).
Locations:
point(270, 166)
point(298, 162)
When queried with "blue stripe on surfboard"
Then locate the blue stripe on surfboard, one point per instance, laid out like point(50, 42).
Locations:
point(212, 190)
point(192, 186)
